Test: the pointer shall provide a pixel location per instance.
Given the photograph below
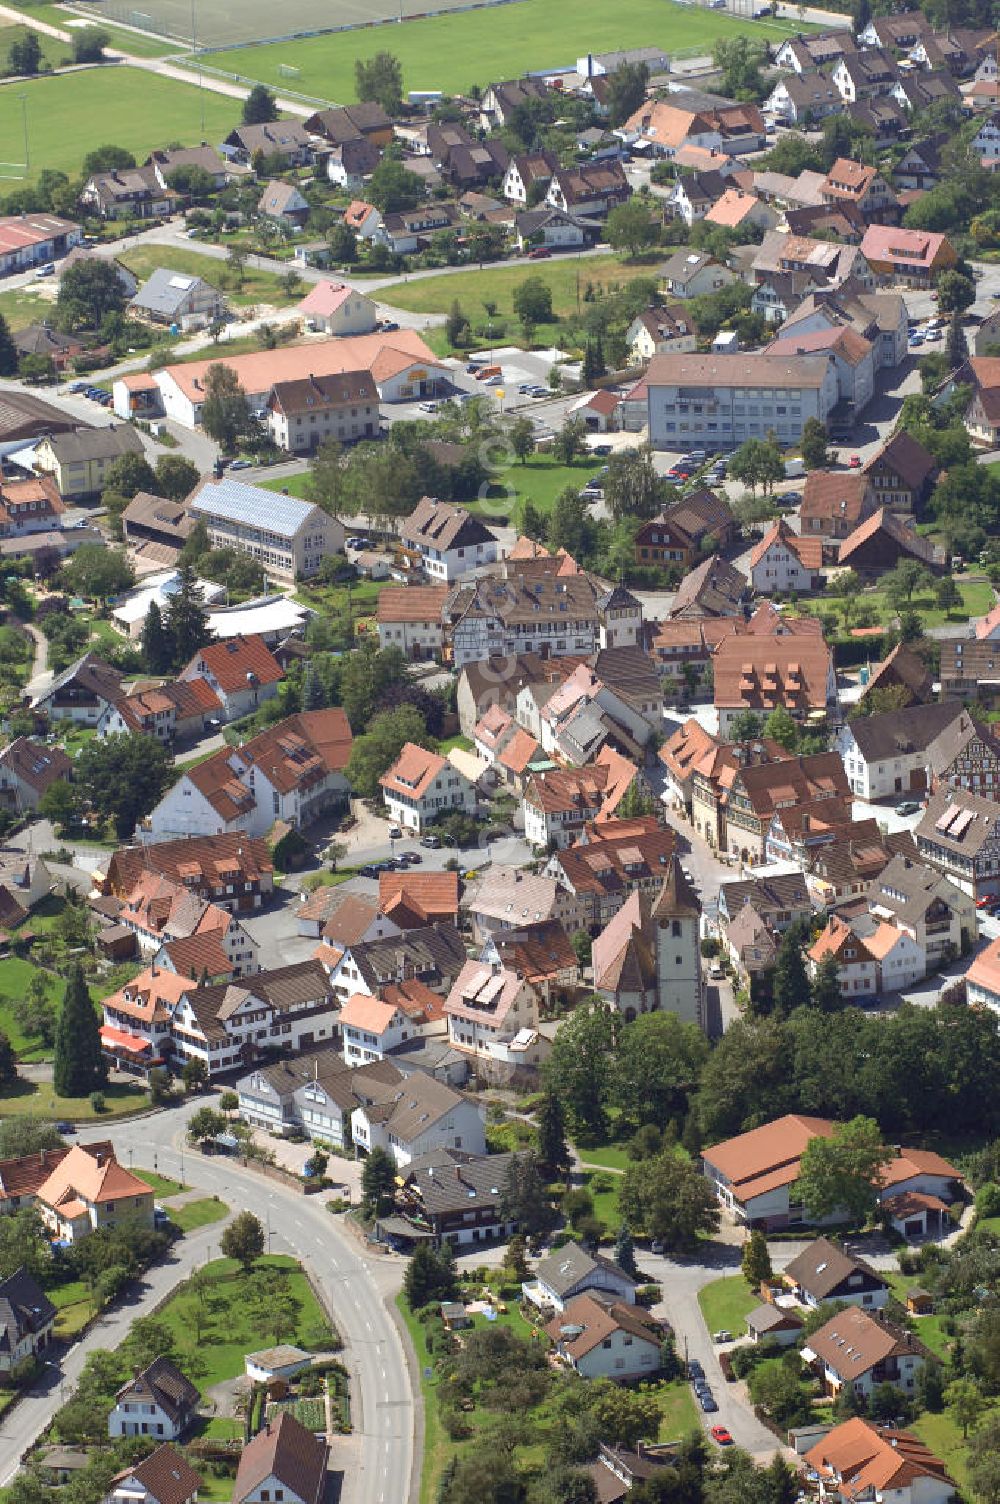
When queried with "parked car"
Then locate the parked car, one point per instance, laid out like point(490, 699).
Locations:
point(432, 842)
point(721, 1435)
point(395, 833)
point(907, 807)
point(412, 858)
point(695, 1370)
point(241, 465)
point(65, 1127)
point(707, 1401)
point(77, 386)
point(48, 270)
point(540, 253)
point(855, 462)
point(722, 1336)
point(601, 449)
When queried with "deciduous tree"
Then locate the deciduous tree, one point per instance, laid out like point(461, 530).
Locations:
point(670, 1199)
point(632, 487)
point(840, 1173)
point(380, 79)
point(225, 416)
point(756, 1261)
point(124, 776)
point(243, 1240)
point(579, 1068)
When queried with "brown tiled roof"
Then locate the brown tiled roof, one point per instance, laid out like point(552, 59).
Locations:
point(834, 494)
point(759, 673)
point(285, 1450)
point(853, 1342)
point(95, 1178)
point(714, 588)
point(887, 522)
point(411, 603)
point(348, 919)
point(415, 898)
point(204, 863)
point(596, 1321)
point(35, 763)
point(538, 954)
point(166, 1475)
point(230, 661)
point(617, 854)
point(907, 457)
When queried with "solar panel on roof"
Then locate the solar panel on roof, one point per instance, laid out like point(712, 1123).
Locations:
point(943, 821)
point(961, 825)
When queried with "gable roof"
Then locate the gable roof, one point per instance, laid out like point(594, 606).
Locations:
point(24, 1308)
point(759, 673)
point(587, 1321)
point(238, 661)
point(823, 1265)
point(285, 1450)
point(565, 1267)
point(907, 456)
point(808, 551)
point(34, 763)
point(766, 1157)
point(162, 1383)
point(896, 732)
point(624, 955)
point(892, 527)
point(868, 1461)
point(165, 1474)
point(853, 1342)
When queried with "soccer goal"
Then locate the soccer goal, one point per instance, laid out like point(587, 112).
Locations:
point(286, 70)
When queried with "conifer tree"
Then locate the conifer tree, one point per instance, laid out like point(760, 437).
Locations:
point(78, 1067)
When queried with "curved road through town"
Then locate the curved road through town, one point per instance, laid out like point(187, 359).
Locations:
point(379, 1459)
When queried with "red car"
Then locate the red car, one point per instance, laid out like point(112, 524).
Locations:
point(540, 253)
point(722, 1436)
point(855, 462)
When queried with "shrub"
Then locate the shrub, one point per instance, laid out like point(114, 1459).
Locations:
point(988, 1199)
point(97, 1101)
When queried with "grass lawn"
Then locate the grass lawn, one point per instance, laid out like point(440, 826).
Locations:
point(138, 43)
point(977, 599)
point(15, 975)
point(726, 1303)
point(676, 1404)
point(608, 1157)
point(232, 1324)
point(70, 115)
point(72, 1303)
point(295, 485)
point(54, 52)
point(540, 480)
point(258, 286)
point(53, 14)
point(944, 1437)
point(451, 742)
point(162, 1185)
point(928, 1328)
point(567, 277)
point(39, 1100)
point(23, 306)
point(191, 1215)
point(605, 1201)
point(452, 52)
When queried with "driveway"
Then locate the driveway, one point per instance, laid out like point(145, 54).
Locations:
point(680, 1280)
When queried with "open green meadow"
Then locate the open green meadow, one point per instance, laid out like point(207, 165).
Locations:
point(72, 114)
point(452, 52)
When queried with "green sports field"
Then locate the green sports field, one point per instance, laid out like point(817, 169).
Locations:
point(70, 115)
point(455, 51)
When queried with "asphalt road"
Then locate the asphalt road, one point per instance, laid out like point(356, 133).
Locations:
point(25, 1422)
point(380, 1460)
